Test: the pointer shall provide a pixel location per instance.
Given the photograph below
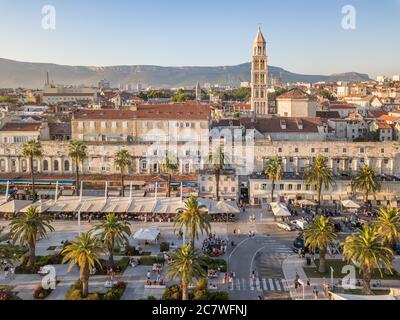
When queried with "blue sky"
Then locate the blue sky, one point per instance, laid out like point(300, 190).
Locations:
point(303, 36)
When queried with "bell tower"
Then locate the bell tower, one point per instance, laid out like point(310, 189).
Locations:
point(259, 76)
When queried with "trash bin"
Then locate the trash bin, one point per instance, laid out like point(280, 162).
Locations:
point(308, 261)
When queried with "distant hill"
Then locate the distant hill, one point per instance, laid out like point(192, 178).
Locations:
point(32, 75)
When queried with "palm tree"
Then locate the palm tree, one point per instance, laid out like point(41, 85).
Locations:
point(85, 252)
point(388, 225)
point(193, 219)
point(169, 167)
point(113, 232)
point(217, 161)
point(32, 150)
point(273, 170)
point(186, 266)
point(27, 228)
point(77, 152)
point(319, 234)
point(367, 250)
point(366, 181)
point(318, 174)
point(122, 161)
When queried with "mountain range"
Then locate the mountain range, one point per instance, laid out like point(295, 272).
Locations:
point(32, 75)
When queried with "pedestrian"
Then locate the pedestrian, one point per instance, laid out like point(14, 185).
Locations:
point(308, 283)
point(238, 232)
point(234, 232)
point(254, 234)
point(315, 293)
point(250, 233)
point(148, 275)
point(299, 253)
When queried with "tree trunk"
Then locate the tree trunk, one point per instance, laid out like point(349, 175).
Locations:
point(169, 186)
point(319, 190)
point(122, 185)
point(273, 190)
point(322, 261)
point(32, 178)
point(366, 199)
point(77, 187)
point(111, 254)
point(217, 176)
point(185, 292)
point(367, 282)
point(32, 253)
point(84, 276)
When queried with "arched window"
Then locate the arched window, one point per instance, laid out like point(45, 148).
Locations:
point(45, 165)
point(2, 165)
point(56, 165)
point(24, 165)
point(66, 165)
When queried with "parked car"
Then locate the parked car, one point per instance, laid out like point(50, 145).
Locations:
point(286, 226)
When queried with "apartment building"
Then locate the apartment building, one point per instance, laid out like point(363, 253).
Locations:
point(147, 123)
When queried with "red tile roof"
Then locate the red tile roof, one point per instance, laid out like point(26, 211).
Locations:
point(151, 112)
point(21, 127)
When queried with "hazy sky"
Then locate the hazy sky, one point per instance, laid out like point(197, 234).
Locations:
point(304, 36)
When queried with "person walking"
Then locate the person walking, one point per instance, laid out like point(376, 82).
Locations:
point(315, 293)
point(238, 232)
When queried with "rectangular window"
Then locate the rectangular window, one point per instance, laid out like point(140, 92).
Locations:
point(104, 125)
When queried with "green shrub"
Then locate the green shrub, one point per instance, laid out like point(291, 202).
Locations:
point(172, 293)
point(150, 260)
point(152, 298)
point(164, 247)
point(114, 293)
point(41, 261)
point(216, 264)
point(75, 293)
point(218, 296)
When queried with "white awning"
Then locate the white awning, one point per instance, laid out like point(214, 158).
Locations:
point(66, 204)
point(147, 234)
point(280, 210)
point(339, 296)
point(350, 204)
point(14, 206)
point(40, 206)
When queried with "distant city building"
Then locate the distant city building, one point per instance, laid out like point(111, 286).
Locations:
point(104, 84)
point(296, 103)
point(198, 92)
point(396, 78)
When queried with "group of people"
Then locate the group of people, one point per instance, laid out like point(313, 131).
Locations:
point(9, 270)
point(252, 218)
point(159, 280)
point(214, 246)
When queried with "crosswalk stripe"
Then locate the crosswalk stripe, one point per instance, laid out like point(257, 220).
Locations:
point(271, 285)
point(238, 284)
point(258, 284)
point(244, 283)
point(251, 285)
point(278, 285)
point(265, 284)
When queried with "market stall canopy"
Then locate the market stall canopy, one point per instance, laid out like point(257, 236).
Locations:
point(14, 206)
point(117, 205)
point(93, 205)
point(66, 204)
point(307, 203)
point(350, 204)
point(40, 206)
point(280, 210)
point(227, 207)
point(147, 234)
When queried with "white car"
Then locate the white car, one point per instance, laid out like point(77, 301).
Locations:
point(301, 224)
point(286, 226)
